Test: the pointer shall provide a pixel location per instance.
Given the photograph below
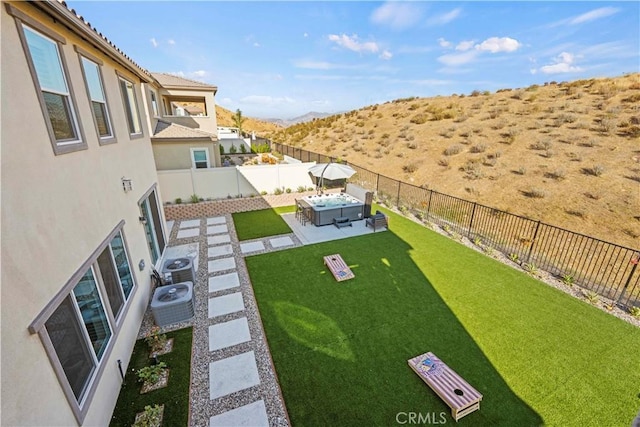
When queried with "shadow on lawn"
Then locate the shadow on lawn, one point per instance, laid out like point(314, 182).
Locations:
point(341, 349)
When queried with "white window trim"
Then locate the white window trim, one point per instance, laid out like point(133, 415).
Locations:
point(193, 159)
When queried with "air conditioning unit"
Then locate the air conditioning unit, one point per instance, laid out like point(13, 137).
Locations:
point(173, 303)
point(179, 270)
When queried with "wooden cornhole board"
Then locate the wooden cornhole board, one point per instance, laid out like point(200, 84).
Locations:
point(451, 387)
point(338, 267)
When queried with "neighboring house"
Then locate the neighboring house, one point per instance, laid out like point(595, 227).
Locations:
point(230, 137)
point(82, 224)
point(183, 123)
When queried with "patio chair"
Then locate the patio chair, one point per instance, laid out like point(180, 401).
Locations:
point(377, 221)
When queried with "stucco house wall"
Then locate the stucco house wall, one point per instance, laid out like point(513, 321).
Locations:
point(56, 211)
point(177, 154)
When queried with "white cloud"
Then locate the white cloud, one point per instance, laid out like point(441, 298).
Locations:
point(445, 18)
point(396, 15)
point(178, 73)
point(444, 43)
point(593, 15)
point(456, 59)
point(323, 65)
point(256, 44)
point(352, 43)
point(465, 45)
point(498, 44)
point(386, 55)
point(305, 35)
point(171, 42)
point(199, 73)
point(267, 100)
point(224, 101)
point(153, 42)
point(563, 64)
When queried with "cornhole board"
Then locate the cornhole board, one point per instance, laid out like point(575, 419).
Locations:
point(451, 387)
point(338, 267)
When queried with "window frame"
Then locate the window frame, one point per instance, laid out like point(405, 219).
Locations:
point(83, 54)
point(22, 20)
point(127, 107)
point(155, 107)
point(154, 223)
point(193, 159)
point(80, 407)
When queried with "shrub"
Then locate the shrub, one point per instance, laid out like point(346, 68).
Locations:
point(221, 149)
point(412, 145)
point(514, 257)
point(178, 201)
point(195, 198)
point(521, 170)
point(151, 374)
point(592, 297)
point(444, 162)
point(156, 341)
point(150, 417)
point(595, 170)
point(263, 193)
point(302, 189)
point(277, 191)
point(288, 190)
point(419, 119)
point(535, 193)
point(410, 167)
point(568, 279)
point(530, 268)
point(634, 311)
point(452, 150)
point(243, 149)
point(478, 148)
point(557, 174)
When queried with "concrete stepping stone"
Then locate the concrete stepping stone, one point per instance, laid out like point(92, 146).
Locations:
point(216, 240)
point(189, 232)
point(279, 242)
point(233, 374)
point(251, 415)
point(230, 333)
point(216, 220)
point(251, 247)
point(170, 225)
point(190, 223)
point(216, 251)
point(219, 306)
point(221, 264)
point(217, 229)
point(224, 281)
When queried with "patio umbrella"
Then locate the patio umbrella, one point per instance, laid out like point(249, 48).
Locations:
point(331, 171)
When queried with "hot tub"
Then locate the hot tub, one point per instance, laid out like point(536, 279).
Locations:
point(324, 208)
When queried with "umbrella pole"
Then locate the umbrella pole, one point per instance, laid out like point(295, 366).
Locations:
point(322, 179)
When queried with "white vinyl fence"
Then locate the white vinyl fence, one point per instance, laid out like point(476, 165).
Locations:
point(238, 181)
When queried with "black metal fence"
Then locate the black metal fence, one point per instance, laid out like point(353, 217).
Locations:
point(605, 268)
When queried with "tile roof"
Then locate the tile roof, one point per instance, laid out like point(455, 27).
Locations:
point(61, 6)
point(171, 80)
point(167, 130)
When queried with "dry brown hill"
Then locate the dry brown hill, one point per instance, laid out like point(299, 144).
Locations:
point(260, 127)
point(567, 154)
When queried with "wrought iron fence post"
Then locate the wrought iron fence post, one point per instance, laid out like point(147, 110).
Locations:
point(533, 241)
point(626, 285)
point(429, 205)
point(473, 212)
point(377, 182)
point(398, 198)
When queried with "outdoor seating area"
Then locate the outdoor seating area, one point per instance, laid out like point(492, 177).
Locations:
point(377, 221)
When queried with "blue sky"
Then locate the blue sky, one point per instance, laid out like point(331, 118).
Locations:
point(284, 59)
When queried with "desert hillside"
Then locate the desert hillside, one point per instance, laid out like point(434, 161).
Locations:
point(260, 127)
point(565, 153)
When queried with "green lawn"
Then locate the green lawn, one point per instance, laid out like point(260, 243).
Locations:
point(262, 223)
point(175, 396)
point(340, 350)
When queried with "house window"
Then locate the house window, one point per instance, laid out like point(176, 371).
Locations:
point(130, 106)
point(58, 106)
point(97, 97)
point(78, 327)
point(152, 225)
point(200, 158)
point(154, 104)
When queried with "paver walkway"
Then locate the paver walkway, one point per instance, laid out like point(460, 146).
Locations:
point(233, 380)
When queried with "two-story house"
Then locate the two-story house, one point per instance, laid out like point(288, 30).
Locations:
point(82, 224)
point(182, 120)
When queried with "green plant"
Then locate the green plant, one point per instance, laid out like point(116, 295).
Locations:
point(263, 193)
point(477, 241)
point(152, 416)
point(530, 268)
point(592, 297)
point(287, 190)
point(195, 198)
point(514, 257)
point(634, 311)
point(243, 148)
point(233, 149)
point(155, 340)
point(178, 201)
point(568, 279)
point(310, 188)
point(302, 189)
point(277, 191)
point(151, 374)
point(221, 149)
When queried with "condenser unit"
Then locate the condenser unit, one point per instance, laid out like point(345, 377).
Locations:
point(179, 270)
point(173, 303)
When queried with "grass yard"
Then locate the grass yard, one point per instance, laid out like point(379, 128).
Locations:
point(340, 350)
point(262, 223)
point(175, 396)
